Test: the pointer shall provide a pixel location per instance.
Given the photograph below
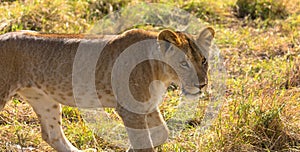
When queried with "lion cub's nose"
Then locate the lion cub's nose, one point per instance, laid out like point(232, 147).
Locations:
point(200, 86)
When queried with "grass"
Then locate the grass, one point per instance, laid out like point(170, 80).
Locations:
point(261, 49)
point(264, 9)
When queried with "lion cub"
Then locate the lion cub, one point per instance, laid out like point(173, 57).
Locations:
point(40, 68)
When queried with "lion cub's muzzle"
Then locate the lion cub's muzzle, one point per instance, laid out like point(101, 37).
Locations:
point(193, 92)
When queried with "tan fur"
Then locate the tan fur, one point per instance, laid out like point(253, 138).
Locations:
point(38, 67)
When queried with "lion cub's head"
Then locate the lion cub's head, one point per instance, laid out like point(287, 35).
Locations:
point(187, 56)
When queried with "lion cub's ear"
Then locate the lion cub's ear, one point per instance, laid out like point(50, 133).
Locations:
point(169, 36)
point(206, 36)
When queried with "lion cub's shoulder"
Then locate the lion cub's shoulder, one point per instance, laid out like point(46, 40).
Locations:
point(134, 35)
point(136, 32)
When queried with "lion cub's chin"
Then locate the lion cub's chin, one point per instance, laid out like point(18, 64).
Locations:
point(192, 96)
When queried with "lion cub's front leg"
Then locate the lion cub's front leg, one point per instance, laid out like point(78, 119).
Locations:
point(145, 131)
point(158, 128)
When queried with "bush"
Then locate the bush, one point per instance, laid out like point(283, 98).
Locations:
point(263, 9)
point(202, 9)
point(100, 8)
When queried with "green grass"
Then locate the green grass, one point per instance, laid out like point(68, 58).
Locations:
point(261, 49)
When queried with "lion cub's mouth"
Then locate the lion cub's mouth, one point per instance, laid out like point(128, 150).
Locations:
point(192, 94)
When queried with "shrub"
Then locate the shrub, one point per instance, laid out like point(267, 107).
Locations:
point(263, 9)
point(100, 8)
point(202, 9)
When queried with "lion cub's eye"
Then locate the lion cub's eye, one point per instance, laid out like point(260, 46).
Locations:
point(204, 61)
point(184, 64)
point(167, 45)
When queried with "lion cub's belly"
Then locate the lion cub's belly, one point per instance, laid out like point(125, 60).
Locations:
point(67, 98)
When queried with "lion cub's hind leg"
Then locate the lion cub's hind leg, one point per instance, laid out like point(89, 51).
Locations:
point(5, 94)
point(49, 114)
point(2, 104)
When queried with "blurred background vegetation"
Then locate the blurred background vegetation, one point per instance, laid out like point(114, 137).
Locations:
point(260, 42)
